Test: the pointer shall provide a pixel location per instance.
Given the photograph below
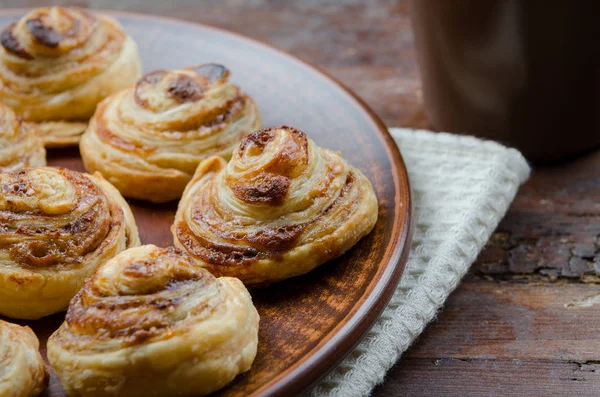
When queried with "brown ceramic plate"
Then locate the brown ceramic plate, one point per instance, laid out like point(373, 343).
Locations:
point(308, 323)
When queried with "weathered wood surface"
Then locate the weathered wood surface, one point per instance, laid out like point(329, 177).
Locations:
point(526, 319)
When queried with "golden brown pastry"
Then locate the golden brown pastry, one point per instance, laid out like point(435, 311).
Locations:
point(150, 322)
point(56, 228)
point(20, 144)
point(22, 369)
point(281, 207)
point(149, 140)
point(57, 64)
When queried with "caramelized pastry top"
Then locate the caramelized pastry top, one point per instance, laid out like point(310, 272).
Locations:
point(193, 112)
point(152, 322)
point(58, 63)
point(52, 49)
point(139, 298)
point(278, 196)
point(148, 140)
point(57, 227)
point(52, 217)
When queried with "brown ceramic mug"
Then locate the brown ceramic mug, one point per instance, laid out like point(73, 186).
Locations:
point(522, 72)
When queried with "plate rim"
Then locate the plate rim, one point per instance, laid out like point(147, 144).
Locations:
point(328, 353)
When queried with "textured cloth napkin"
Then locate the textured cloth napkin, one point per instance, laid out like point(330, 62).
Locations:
point(462, 187)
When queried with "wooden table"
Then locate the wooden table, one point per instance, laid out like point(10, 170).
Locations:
point(526, 319)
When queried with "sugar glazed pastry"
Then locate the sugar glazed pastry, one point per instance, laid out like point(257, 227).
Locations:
point(20, 144)
point(56, 228)
point(281, 207)
point(148, 140)
point(22, 369)
point(57, 64)
point(150, 322)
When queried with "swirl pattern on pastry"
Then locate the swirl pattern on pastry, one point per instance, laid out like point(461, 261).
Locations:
point(278, 209)
point(22, 369)
point(57, 64)
point(150, 322)
point(20, 145)
point(56, 228)
point(148, 140)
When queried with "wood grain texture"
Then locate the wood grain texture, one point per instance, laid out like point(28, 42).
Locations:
point(475, 378)
point(515, 321)
point(552, 233)
point(500, 338)
point(545, 241)
point(310, 322)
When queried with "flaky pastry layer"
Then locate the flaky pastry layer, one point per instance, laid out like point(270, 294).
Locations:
point(151, 322)
point(149, 139)
point(57, 227)
point(281, 207)
point(22, 369)
point(20, 142)
point(57, 64)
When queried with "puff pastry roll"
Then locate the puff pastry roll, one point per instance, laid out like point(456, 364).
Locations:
point(149, 140)
point(281, 207)
point(56, 228)
point(57, 64)
point(20, 144)
point(22, 369)
point(150, 322)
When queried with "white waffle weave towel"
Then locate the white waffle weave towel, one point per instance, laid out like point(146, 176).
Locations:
point(462, 187)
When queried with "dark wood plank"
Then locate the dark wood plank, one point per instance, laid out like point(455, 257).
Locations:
point(481, 377)
point(503, 338)
point(504, 320)
point(552, 231)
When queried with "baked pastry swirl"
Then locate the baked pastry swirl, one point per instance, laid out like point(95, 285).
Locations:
point(148, 140)
point(150, 322)
point(56, 228)
point(22, 369)
point(20, 145)
point(57, 64)
point(278, 209)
